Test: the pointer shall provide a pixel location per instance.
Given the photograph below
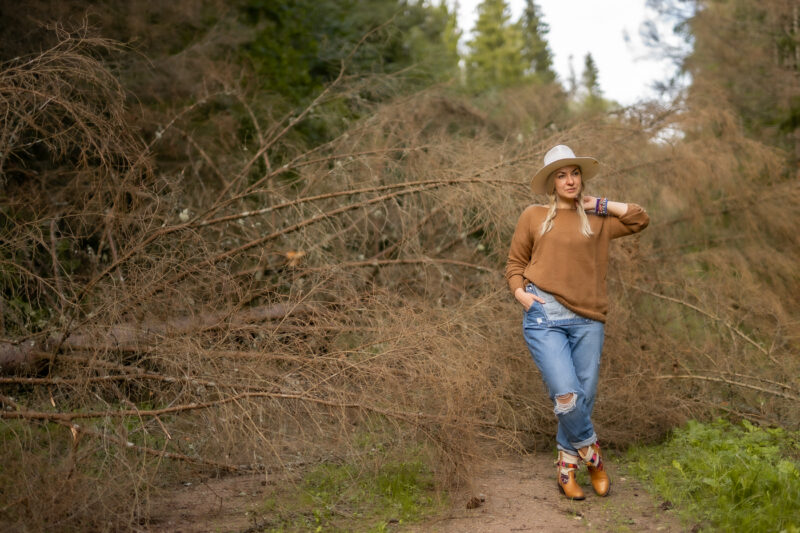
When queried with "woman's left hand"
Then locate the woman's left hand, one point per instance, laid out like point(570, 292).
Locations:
point(589, 203)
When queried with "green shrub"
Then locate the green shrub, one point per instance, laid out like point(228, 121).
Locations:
point(730, 477)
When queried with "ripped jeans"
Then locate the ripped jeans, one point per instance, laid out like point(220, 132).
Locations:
point(566, 347)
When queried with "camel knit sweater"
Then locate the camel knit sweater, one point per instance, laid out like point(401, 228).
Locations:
point(563, 261)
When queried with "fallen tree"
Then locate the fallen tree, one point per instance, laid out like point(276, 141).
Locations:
point(30, 356)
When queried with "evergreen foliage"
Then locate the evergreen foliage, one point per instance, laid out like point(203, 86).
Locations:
point(591, 76)
point(495, 59)
point(536, 51)
point(572, 80)
point(592, 99)
point(298, 45)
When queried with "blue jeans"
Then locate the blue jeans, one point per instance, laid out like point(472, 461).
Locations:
point(566, 347)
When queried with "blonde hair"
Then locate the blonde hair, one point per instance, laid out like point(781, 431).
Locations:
point(547, 225)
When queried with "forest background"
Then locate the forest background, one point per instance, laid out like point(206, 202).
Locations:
point(259, 235)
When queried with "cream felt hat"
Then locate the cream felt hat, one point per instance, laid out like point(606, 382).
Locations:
point(562, 156)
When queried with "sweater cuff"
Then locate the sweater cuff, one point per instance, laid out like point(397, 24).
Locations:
point(635, 216)
point(516, 282)
point(634, 211)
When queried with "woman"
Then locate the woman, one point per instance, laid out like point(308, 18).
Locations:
point(556, 269)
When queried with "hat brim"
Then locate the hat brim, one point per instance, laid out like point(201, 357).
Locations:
point(589, 168)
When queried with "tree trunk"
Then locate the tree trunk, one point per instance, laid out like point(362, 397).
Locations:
point(27, 357)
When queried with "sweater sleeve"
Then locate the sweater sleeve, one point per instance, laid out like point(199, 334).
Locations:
point(633, 221)
point(519, 254)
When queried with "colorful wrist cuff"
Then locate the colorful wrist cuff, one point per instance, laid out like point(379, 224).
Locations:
point(602, 207)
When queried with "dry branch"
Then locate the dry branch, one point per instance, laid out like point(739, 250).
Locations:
point(730, 382)
point(410, 261)
point(56, 381)
point(56, 265)
point(702, 312)
point(412, 189)
point(25, 414)
point(81, 430)
point(137, 335)
point(270, 142)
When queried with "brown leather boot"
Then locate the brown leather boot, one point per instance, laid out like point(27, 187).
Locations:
point(567, 464)
point(594, 462)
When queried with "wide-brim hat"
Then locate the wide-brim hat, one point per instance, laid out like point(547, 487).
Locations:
point(563, 156)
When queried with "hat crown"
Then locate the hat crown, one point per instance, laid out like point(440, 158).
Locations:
point(558, 152)
point(561, 156)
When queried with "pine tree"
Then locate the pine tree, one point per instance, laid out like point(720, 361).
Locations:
point(535, 50)
point(431, 35)
point(592, 96)
point(296, 46)
point(451, 34)
point(759, 75)
point(591, 77)
point(741, 53)
point(495, 58)
point(572, 82)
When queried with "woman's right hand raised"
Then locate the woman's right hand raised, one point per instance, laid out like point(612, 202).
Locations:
point(526, 298)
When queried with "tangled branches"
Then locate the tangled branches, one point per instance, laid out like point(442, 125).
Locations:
point(65, 106)
point(223, 298)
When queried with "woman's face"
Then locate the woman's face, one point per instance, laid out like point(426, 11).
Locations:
point(567, 181)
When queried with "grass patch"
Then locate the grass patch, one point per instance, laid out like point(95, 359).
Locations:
point(356, 497)
point(727, 477)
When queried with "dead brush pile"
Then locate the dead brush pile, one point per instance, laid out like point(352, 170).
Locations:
point(238, 313)
point(261, 306)
point(704, 322)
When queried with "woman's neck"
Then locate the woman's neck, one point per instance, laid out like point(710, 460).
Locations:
point(565, 203)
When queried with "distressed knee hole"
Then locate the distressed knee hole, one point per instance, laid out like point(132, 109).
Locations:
point(565, 403)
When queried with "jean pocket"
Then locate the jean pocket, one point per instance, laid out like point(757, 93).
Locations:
point(535, 310)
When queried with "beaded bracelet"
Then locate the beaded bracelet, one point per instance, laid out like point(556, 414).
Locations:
point(601, 208)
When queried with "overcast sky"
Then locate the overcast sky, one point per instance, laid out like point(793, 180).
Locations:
point(609, 29)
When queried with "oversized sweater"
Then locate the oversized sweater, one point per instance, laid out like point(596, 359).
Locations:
point(563, 261)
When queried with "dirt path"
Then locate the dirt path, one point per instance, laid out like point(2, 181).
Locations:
point(519, 495)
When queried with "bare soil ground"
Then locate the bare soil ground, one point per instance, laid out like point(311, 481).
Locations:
point(519, 494)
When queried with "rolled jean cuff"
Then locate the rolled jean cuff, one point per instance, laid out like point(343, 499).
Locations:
point(570, 451)
point(587, 442)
